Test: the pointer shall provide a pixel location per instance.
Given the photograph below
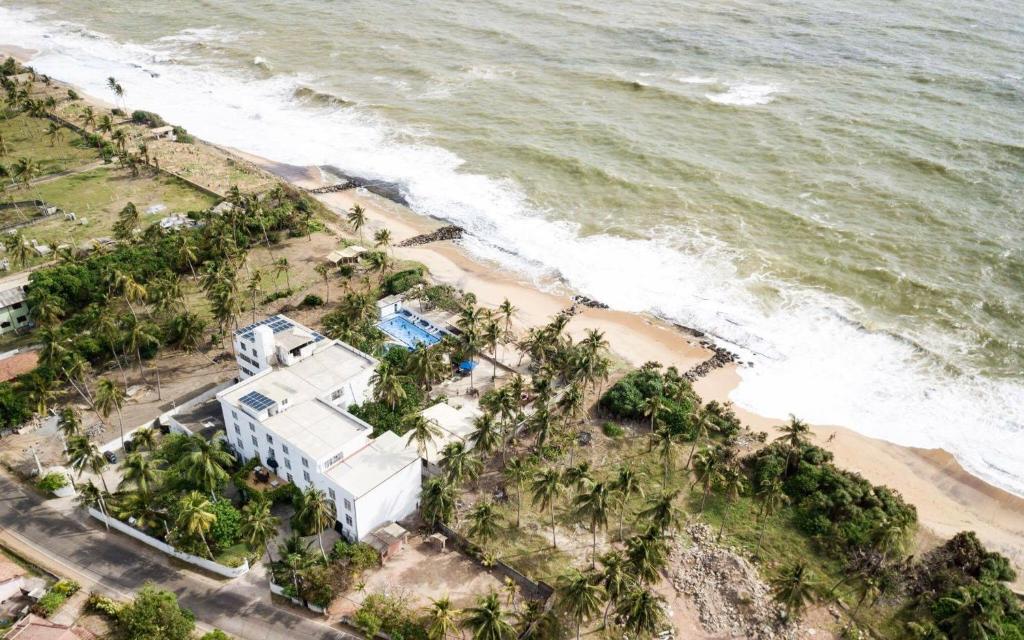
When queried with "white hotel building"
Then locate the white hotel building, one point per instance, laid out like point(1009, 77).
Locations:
point(289, 410)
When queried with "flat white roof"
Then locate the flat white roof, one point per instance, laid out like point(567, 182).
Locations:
point(12, 289)
point(316, 426)
point(370, 467)
point(456, 423)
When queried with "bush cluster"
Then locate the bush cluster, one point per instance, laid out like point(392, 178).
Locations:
point(402, 281)
point(390, 615)
point(147, 118)
point(52, 482)
point(55, 597)
point(839, 509)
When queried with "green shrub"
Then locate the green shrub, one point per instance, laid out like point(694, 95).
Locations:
point(72, 94)
point(402, 281)
point(52, 482)
point(612, 430)
point(224, 531)
point(181, 135)
point(312, 300)
point(390, 615)
point(216, 634)
point(101, 604)
point(54, 598)
point(358, 556)
point(147, 118)
point(277, 295)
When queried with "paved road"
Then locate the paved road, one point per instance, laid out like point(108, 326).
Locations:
point(118, 566)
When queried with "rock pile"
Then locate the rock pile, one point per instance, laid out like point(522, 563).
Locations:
point(589, 302)
point(390, 190)
point(730, 596)
point(719, 358)
point(448, 232)
point(333, 188)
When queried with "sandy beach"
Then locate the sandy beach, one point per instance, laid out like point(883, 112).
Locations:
point(948, 499)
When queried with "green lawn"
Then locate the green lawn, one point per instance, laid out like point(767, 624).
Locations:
point(98, 195)
point(25, 137)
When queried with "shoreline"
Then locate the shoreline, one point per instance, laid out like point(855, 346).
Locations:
point(947, 497)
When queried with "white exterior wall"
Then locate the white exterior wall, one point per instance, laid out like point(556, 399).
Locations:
point(393, 499)
point(11, 588)
point(244, 428)
point(253, 357)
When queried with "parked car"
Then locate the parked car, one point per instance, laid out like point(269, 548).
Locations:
point(110, 456)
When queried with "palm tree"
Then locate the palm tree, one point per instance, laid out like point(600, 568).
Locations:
point(425, 365)
point(139, 471)
point(281, 266)
point(196, 518)
point(88, 117)
point(793, 588)
point(387, 385)
point(382, 239)
point(89, 495)
point(491, 335)
point(484, 521)
point(507, 311)
point(186, 252)
point(614, 579)
point(206, 464)
point(17, 248)
point(69, 423)
point(258, 524)
point(733, 486)
point(459, 463)
point(593, 507)
point(110, 397)
point(662, 512)
point(26, 170)
point(702, 425)
point(442, 618)
point(324, 270)
point(486, 435)
point(254, 287)
point(105, 124)
point(579, 597)
point(518, 471)
point(796, 434)
point(772, 497)
point(546, 488)
point(666, 444)
point(83, 454)
point(437, 500)
point(708, 467)
point(421, 431)
point(642, 612)
point(145, 438)
point(627, 483)
point(969, 617)
point(188, 330)
point(357, 220)
point(651, 407)
point(487, 620)
point(317, 512)
point(55, 133)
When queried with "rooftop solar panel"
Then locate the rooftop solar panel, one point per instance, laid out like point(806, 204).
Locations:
point(256, 400)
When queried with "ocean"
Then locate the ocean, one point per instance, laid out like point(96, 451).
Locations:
point(835, 191)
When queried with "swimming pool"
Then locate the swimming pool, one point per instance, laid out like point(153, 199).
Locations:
point(407, 331)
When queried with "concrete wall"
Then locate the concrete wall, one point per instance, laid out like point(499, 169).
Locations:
point(394, 499)
point(11, 588)
point(202, 563)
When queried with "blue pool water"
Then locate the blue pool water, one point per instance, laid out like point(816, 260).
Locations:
point(407, 331)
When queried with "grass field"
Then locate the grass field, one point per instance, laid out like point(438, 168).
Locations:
point(98, 195)
point(25, 137)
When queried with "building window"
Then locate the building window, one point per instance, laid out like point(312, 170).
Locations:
point(238, 429)
point(241, 447)
point(291, 479)
point(252, 427)
point(331, 493)
point(284, 448)
point(234, 414)
point(348, 520)
point(270, 439)
point(287, 463)
point(22, 318)
point(348, 505)
point(305, 463)
point(255, 442)
point(16, 305)
point(5, 325)
point(305, 474)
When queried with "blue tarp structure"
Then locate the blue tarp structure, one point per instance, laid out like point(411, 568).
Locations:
point(467, 365)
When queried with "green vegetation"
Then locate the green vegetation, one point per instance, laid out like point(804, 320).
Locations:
point(52, 482)
point(56, 596)
point(314, 577)
point(154, 613)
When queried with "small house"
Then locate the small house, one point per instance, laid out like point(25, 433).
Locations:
point(348, 255)
point(162, 133)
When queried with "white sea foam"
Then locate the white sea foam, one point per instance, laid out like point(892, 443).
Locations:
point(697, 80)
point(808, 359)
point(745, 94)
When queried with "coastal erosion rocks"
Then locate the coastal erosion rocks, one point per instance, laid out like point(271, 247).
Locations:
point(382, 188)
point(730, 596)
point(719, 358)
point(447, 232)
